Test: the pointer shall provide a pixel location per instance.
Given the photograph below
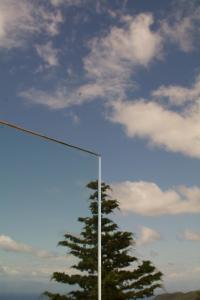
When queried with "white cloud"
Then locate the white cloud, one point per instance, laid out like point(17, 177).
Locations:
point(47, 271)
point(66, 2)
point(180, 33)
point(134, 43)
point(50, 21)
point(109, 64)
point(174, 131)
point(146, 198)
point(7, 270)
point(191, 235)
point(179, 95)
point(28, 272)
point(10, 245)
point(75, 118)
point(48, 53)
point(16, 21)
point(148, 236)
point(113, 57)
point(21, 19)
point(183, 274)
point(108, 74)
point(181, 25)
point(62, 97)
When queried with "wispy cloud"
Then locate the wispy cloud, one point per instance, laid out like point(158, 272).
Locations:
point(50, 21)
point(191, 235)
point(42, 272)
point(10, 245)
point(7, 270)
point(179, 95)
point(62, 97)
point(66, 2)
point(20, 20)
point(148, 236)
point(181, 26)
point(75, 118)
point(183, 274)
point(114, 57)
point(109, 64)
point(135, 197)
point(108, 74)
point(48, 53)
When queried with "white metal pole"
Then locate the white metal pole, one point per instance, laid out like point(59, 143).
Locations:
point(99, 231)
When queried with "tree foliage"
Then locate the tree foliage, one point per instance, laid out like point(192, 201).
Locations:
point(123, 277)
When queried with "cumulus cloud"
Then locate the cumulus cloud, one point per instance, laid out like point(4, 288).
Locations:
point(109, 64)
point(156, 120)
point(10, 245)
point(48, 53)
point(114, 56)
point(146, 198)
point(148, 236)
point(134, 43)
point(108, 74)
point(174, 131)
point(21, 19)
point(191, 235)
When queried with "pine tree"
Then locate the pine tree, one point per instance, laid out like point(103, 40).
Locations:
point(123, 277)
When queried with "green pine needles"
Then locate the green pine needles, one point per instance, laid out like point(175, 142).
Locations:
point(123, 277)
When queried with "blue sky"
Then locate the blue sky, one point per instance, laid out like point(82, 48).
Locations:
point(42, 195)
point(121, 78)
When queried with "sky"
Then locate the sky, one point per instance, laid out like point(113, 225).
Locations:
point(121, 78)
point(42, 195)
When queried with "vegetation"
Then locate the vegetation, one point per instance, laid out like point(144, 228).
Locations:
point(123, 277)
point(179, 296)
